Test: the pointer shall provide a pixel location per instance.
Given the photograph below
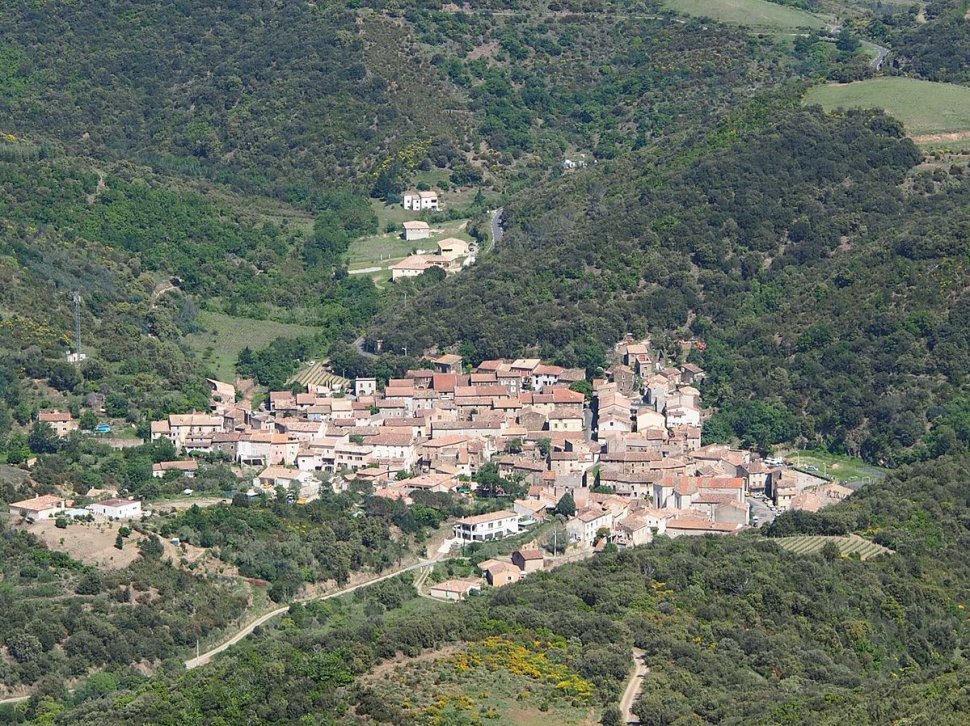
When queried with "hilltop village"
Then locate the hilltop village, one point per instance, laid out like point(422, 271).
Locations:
point(625, 448)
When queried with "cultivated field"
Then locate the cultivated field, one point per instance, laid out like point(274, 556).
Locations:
point(929, 111)
point(751, 13)
point(853, 544)
point(227, 336)
point(317, 374)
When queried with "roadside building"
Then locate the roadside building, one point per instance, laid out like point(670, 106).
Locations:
point(487, 527)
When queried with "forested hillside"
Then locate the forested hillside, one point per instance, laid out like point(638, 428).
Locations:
point(62, 619)
point(734, 630)
point(804, 248)
point(267, 97)
point(234, 153)
point(935, 46)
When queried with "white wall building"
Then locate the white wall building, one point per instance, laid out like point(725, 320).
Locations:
point(419, 201)
point(43, 507)
point(117, 508)
point(486, 527)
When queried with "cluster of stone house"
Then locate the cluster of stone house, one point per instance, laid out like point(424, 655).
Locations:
point(637, 443)
point(421, 432)
point(451, 255)
point(497, 572)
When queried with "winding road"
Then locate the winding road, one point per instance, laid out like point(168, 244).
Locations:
point(204, 658)
point(881, 53)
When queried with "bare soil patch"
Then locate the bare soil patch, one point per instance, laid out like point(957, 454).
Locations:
point(91, 543)
point(484, 51)
point(388, 666)
point(930, 138)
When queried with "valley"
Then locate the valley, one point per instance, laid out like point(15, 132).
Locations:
point(402, 361)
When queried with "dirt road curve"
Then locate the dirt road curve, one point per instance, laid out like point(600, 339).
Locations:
point(640, 669)
point(15, 699)
point(204, 658)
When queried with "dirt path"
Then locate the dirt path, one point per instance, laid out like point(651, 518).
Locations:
point(953, 136)
point(98, 190)
point(13, 699)
point(161, 289)
point(247, 629)
point(640, 669)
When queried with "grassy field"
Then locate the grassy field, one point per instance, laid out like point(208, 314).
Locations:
point(853, 544)
point(752, 13)
point(224, 336)
point(384, 250)
point(925, 108)
point(842, 468)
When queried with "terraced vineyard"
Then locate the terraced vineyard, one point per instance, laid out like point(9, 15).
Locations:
point(316, 374)
point(852, 544)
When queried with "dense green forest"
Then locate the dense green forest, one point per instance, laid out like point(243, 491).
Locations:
point(734, 630)
point(279, 98)
point(802, 247)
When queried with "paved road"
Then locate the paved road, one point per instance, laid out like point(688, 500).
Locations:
point(760, 509)
point(882, 52)
point(359, 344)
point(640, 669)
point(246, 630)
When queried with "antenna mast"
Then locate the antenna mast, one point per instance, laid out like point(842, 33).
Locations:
point(77, 324)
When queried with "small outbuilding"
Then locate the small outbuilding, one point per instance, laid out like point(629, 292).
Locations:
point(454, 589)
point(416, 230)
point(528, 560)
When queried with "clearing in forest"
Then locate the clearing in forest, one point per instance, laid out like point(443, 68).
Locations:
point(498, 680)
point(848, 546)
point(927, 109)
point(227, 336)
point(751, 13)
